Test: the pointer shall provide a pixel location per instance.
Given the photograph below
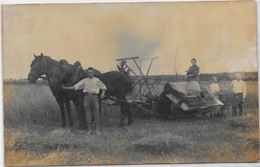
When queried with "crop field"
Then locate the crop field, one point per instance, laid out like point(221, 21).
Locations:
point(33, 135)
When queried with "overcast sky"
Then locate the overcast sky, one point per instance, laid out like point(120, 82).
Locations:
point(220, 35)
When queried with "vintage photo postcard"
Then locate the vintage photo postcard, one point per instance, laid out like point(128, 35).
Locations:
point(130, 83)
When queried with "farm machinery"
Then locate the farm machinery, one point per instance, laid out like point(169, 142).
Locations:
point(175, 101)
point(157, 97)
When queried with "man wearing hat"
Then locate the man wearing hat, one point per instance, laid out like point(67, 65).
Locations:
point(122, 67)
point(238, 88)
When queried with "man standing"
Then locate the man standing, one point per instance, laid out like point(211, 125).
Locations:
point(238, 87)
point(193, 77)
point(91, 87)
point(214, 86)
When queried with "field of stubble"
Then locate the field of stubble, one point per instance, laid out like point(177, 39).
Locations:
point(33, 135)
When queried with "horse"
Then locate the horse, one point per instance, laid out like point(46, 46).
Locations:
point(59, 73)
point(118, 86)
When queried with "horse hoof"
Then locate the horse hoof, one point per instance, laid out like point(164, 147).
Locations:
point(83, 128)
point(89, 132)
point(130, 122)
point(71, 124)
point(97, 132)
point(63, 125)
point(121, 124)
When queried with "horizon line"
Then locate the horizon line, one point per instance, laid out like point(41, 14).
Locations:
point(163, 74)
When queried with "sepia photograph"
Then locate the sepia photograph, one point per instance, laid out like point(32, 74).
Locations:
point(130, 83)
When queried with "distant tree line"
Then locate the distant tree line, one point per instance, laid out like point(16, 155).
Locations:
point(247, 76)
point(23, 81)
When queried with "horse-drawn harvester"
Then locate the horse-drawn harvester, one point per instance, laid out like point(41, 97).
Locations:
point(150, 95)
point(155, 96)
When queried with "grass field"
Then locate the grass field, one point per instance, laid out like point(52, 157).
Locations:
point(33, 135)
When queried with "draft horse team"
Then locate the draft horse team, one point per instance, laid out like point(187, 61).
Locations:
point(66, 82)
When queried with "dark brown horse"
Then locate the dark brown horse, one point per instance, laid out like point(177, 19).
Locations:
point(60, 73)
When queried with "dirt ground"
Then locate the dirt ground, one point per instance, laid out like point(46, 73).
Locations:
point(146, 141)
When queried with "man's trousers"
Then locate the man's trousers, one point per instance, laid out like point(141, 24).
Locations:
point(91, 103)
point(237, 104)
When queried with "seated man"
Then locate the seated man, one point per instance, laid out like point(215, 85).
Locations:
point(193, 78)
point(122, 67)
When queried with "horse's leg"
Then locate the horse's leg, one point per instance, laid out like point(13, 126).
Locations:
point(99, 106)
point(129, 113)
point(93, 102)
point(123, 114)
point(68, 110)
point(91, 108)
point(62, 110)
point(81, 114)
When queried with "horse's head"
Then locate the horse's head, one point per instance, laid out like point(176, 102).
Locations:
point(38, 68)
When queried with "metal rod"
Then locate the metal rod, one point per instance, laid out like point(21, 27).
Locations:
point(131, 70)
point(144, 78)
point(140, 81)
point(175, 68)
point(127, 58)
point(148, 58)
point(156, 81)
point(149, 67)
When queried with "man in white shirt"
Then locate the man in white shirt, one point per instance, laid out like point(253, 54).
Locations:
point(91, 87)
point(238, 88)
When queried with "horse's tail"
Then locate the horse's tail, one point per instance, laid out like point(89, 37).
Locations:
point(100, 105)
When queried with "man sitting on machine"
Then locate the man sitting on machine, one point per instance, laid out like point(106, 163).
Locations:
point(193, 85)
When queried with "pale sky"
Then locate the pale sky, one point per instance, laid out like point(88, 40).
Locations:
point(220, 35)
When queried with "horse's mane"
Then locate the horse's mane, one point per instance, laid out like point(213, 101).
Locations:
point(50, 60)
point(60, 68)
